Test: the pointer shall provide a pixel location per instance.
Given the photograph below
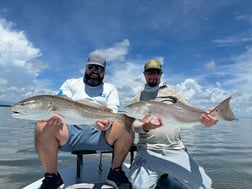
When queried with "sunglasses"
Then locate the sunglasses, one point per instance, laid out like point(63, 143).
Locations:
point(93, 67)
point(153, 72)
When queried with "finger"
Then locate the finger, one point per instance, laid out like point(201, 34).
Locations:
point(160, 120)
point(203, 117)
point(54, 121)
point(100, 124)
point(146, 118)
point(155, 121)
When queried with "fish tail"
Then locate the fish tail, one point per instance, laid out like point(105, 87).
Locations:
point(224, 110)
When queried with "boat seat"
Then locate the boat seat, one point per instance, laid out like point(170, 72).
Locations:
point(80, 154)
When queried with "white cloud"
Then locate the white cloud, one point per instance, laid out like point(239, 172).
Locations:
point(234, 79)
point(201, 96)
point(211, 65)
point(16, 50)
point(128, 81)
point(117, 52)
point(190, 88)
point(232, 40)
point(19, 66)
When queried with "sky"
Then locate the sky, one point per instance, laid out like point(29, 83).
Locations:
point(205, 47)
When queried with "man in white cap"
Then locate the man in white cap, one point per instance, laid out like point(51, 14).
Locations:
point(53, 135)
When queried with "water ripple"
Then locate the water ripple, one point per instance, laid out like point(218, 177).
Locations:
point(225, 152)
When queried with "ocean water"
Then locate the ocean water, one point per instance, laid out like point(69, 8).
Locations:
point(225, 152)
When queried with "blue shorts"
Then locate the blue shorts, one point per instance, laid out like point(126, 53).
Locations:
point(84, 137)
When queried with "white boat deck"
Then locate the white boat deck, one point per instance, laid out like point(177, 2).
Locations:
point(91, 176)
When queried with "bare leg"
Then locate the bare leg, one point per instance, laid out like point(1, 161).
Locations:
point(122, 140)
point(49, 135)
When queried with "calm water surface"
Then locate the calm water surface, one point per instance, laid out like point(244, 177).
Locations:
point(225, 151)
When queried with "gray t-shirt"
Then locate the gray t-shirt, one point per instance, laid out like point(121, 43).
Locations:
point(162, 137)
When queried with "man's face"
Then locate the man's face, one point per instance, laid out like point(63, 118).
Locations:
point(94, 74)
point(152, 77)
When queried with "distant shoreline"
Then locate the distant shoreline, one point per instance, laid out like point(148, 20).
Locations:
point(5, 105)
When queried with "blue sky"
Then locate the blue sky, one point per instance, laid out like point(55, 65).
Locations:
point(205, 46)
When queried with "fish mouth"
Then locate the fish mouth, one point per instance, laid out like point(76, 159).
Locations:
point(17, 113)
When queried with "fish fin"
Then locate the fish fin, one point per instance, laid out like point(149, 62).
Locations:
point(51, 108)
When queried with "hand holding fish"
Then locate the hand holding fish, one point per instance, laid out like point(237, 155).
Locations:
point(54, 121)
point(153, 123)
point(103, 124)
point(207, 119)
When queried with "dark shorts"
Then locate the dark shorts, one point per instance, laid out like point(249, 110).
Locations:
point(83, 137)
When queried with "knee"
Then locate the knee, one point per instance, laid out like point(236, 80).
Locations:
point(42, 130)
point(39, 130)
point(124, 129)
point(39, 126)
point(119, 133)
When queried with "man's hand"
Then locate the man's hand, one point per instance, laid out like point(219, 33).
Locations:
point(53, 121)
point(207, 119)
point(153, 123)
point(103, 124)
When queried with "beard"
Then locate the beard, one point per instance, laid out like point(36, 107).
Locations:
point(152, 83)
point(92, 81)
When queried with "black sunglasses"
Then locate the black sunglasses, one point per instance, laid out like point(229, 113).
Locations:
point(153, 72)
point(93, 67)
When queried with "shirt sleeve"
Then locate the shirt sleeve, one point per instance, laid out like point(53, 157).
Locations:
point(113, 100)
point(65, 89)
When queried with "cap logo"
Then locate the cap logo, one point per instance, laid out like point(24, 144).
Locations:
point(153, 64)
